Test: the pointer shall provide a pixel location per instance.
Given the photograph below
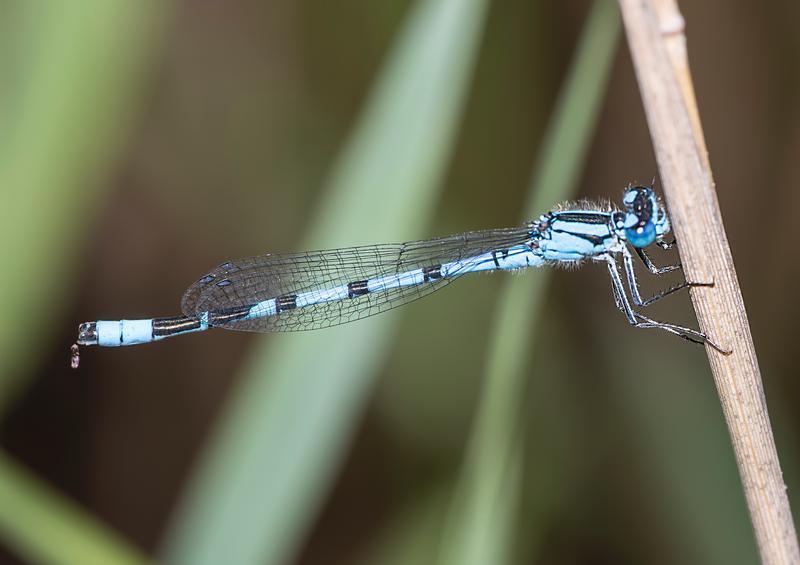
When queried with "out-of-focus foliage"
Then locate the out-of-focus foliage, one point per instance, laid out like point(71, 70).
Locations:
point(284, 432)
point(482, 524)
point(43, 527)
point(72, 80)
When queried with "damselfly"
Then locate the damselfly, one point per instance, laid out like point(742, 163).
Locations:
point(318, 289)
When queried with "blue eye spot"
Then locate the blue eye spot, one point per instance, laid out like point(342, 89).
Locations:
point(641, 236)
point(629, 197)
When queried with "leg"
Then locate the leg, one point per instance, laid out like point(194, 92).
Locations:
point(659, 295)
point(639, 321)
point(619, 291)
point(651, 267)
point(634, 285)
point(615, 291)
point(666, 244)
point(686, 333)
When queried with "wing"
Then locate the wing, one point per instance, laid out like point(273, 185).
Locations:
point(246, 282)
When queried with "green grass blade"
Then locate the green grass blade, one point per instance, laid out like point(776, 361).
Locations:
point(71, 80)
point(412, 533)
point(42, 526)
point(699, 498)
point(289, 423)
point(482, 520)
point(71, 76)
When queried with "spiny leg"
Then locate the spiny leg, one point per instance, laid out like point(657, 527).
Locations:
point(619, 291)
point(666, 245)
point(640, 321)
point(633, 284)
point(618, 300)
point(686, 333)
point(651, 266)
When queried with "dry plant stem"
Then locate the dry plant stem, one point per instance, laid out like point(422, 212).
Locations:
point(657, 43)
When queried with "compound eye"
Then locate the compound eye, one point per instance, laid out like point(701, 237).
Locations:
point(641, 235)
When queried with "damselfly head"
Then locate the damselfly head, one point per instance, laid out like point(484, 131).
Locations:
point(645, 219)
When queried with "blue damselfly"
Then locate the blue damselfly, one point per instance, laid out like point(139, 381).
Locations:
point(318, 289)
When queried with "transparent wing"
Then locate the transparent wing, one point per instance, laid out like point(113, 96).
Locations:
point(245, 282)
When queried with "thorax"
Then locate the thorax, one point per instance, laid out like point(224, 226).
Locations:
point(573, 235)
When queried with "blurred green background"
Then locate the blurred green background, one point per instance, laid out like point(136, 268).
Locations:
point(509, 419)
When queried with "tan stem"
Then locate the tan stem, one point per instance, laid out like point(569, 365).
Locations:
point(655, 31)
